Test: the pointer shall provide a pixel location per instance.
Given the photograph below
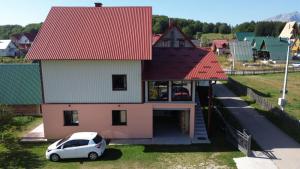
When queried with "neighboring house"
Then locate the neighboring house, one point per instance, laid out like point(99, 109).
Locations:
point(269, 48)
point(23, 41)
point(241, 50)
point(20, 87)
point(296, 47)
point(240, 36)
point(289, 31)
point(220, 46)
point(7, 48)
point(197, 43)
point(110, 78)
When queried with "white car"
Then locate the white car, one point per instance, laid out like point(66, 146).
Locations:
point(78, 145)
point(296, 64)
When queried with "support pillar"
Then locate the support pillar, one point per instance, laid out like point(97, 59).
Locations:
point(210, 106)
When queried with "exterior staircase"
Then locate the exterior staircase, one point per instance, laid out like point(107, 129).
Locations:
point(200, 133)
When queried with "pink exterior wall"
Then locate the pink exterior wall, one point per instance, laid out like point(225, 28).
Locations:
point(98, 118)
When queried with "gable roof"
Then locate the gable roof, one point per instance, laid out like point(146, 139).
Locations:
point(155, 37)
point(173, 26)
point(20, 84)
point(287, 31)
point(183, 64)
point(241, 50)
point(4, 44)
point(94, 33)
point(241, 35)
point(219, 43)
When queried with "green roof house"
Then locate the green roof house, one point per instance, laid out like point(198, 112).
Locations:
point(269, 48)
point(20, 87)
point(240, 36)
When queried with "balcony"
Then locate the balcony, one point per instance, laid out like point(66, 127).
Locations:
point(170, 91)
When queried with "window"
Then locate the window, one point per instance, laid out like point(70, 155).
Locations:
point(97, 139)
point(165, 43)
point(119, 117)
point(71, 118)
point(181, 91)
point(119, 82)
point(82, 142)
point(181, 43)
point(72, 143)
point(158, 90)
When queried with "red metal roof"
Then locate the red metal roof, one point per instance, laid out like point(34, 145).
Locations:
point(155, 37)
point(220, 43)
point(183, 64)
point(95, 33)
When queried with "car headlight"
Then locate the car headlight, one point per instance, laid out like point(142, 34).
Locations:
point(48, 150)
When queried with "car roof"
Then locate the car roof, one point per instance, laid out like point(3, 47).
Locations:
point(83, 136)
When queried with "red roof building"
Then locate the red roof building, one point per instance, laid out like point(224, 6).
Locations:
point(95, 33)
point(103, 70)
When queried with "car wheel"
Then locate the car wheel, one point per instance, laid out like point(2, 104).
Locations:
point(54, 157)
point(93, 156)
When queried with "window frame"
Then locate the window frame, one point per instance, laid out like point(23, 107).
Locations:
point(149, 98)
point(71, 123)
point(181, 84)
point(125, 82)
point(181, 43)
point(119, 123)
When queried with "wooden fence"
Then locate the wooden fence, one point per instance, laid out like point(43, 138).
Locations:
point(258, 72)
point(240, 139)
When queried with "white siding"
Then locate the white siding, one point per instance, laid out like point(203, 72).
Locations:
point(90, 81)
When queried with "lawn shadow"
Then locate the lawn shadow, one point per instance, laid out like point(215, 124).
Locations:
point(17, 156)
point(110, 154)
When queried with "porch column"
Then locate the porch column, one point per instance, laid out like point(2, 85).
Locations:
point(170, 91)
point(193, 91)
point(146, 91)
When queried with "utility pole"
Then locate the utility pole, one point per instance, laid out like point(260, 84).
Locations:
point(233, 57)
point(282, 100)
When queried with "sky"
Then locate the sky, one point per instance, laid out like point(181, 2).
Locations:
point(23, 12)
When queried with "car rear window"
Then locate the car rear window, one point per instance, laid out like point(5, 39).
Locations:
point(97, 139)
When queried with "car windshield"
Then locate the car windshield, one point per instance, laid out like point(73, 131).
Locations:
point(63, 140)
point(97, 139)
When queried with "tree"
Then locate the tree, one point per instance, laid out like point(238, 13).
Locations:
point(6, 117)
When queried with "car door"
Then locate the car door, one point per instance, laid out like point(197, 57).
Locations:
point(69, 149)
point(83, 149)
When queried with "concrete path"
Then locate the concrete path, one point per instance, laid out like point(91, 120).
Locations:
point(257, 161)
point(283, 150)
point(35, 135)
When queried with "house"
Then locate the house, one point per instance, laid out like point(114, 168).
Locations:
point(240, 36)
point(20, 88)
point(105, 74)
point(220, 46)
point(296, 47)
point(289, 31)
point(241, 50)
point(269, 48)
point(23, 41)
point(7, 48)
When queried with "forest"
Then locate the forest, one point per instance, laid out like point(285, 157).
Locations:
point(192, 28)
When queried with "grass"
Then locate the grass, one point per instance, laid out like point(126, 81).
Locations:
point(14, 154)
point(270, 86)
point(226, 63)
point(20, 59)
point(209, 37)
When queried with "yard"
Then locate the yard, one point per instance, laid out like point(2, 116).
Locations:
point(270, 85)
point(14, 154)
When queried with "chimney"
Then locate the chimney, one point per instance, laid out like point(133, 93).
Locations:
point(98, 4)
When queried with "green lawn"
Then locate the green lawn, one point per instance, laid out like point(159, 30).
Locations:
point(270, 86)
point(14, 154)
point(20, 59)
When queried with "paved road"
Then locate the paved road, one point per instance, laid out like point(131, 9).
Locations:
point(283, 150)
